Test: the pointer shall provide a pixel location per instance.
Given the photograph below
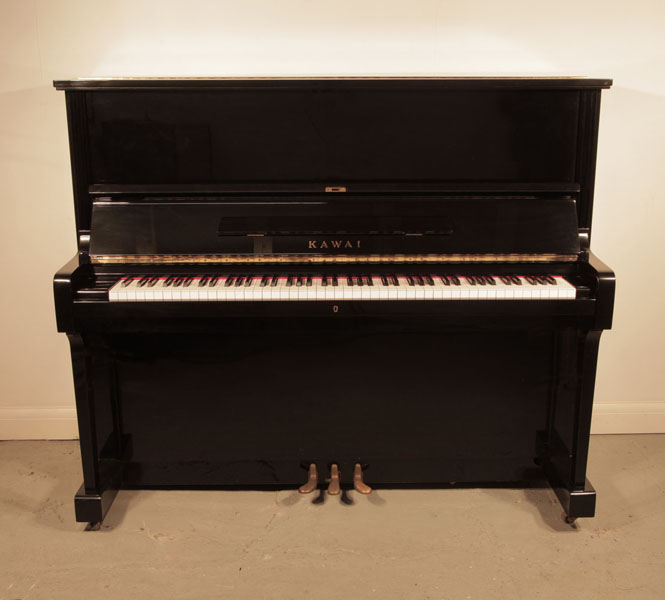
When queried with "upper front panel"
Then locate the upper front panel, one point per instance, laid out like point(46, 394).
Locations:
point(136, 137)
point(331, 136)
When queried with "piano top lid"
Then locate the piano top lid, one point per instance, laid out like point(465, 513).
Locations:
point(423, 82)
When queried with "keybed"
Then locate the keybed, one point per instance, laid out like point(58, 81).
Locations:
point(307, 287)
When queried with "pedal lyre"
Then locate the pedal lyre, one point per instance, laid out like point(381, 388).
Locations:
point(358, 484)
point(334, 488)
point(312, 481)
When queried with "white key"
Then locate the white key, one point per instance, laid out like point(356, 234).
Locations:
point(329, 290)
point(131, 289)
point(366, 290)
point(383, 291)
point(114, 291)
point(303, 289)
point(282, 290)
point(565, 289)
point(491, 289)
point(483, 290)
point(310, 290)
point(204, 290)
point(320, 289)
point(191, 291)
point(409, 291)
point(393, 290)
point(419, 289)
point(519, 291)
point(429, 290)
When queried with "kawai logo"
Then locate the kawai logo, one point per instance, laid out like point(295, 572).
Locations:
point(332, 244)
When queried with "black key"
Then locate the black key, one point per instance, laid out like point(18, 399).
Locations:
point(395, 280)
point(349, 280)
point(370, 281)
point(489, 279)
point(188, 281)
point(429, 280)
point(249, 281)
point(541, 280)
point(359, 280)
point(143, 281)
point(445, 280)
point(213, 280)
point(299, 281)
point(384, 281)
point(505, 279)
point(550, 279)
point(531, 279)
point(418, 279)
point(289, 281)
point(516, 280)
point(127, 281)
point(239, 280)
point(204, 281)
point(334, 280)
point(471, 279)
point(264, 281)
point(309, 281)
point(454, 279)
point(153, 281)
point(229, 281)
point(169, 281)
point(481, 279)
point(409, 279)
point(275, 280)
point(324, 280)
point(178, 282)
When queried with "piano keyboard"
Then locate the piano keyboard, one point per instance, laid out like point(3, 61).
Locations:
point(234, 288)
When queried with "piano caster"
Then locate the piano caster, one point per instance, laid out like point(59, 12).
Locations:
point(334, 488)
point(569, 520)
point(358, 484)
point(312, 481)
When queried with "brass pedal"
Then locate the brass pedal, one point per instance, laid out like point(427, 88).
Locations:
point(358, 484)
point(312, 481)
point(334, 488)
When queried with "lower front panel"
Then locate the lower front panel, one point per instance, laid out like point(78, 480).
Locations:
point(415, 402)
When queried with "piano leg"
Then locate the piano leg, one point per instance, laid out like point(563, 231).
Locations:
point(101, 478)
point(91, 507)
point(565, 464)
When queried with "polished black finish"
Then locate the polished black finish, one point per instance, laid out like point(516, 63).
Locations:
point(342, 223)
point(250, 394)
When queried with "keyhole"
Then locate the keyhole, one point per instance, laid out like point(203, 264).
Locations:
point(335, 308)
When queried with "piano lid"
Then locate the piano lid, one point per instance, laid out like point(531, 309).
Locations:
point(547, 82)
point(364, 135)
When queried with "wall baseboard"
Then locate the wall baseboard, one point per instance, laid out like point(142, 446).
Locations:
point(52, 423)
point(628, 417)
point(59, 422)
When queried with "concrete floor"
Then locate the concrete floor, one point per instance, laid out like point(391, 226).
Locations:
point(430, 544)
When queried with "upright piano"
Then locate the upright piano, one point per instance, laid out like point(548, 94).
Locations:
point(333, 283)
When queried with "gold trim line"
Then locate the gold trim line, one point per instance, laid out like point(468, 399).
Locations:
point(325, 258)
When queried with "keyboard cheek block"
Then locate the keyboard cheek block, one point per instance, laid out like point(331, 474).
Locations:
point(333, 285)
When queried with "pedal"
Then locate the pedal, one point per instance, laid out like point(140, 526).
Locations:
point(312, 481)
point(334, 488)
point(358, 484)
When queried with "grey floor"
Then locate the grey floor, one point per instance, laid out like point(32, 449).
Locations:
point(431, 544)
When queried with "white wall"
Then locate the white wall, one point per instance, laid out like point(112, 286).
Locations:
point(41, 41)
